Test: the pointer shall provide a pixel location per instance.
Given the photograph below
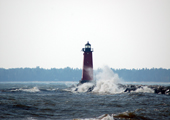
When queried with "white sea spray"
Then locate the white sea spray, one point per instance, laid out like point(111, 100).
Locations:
point(107, 82)
point(144, 89)
point(34, 89)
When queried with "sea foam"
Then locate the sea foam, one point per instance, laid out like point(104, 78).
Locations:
point(106, 83)
point(34, 89)
point(102, 117)
point(144, 89)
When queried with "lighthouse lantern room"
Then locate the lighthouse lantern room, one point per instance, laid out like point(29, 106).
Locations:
point(87, 72)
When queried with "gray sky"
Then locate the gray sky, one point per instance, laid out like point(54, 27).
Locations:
point(51, 33)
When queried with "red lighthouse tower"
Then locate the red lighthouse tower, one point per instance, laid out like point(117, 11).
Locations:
point(87, 72)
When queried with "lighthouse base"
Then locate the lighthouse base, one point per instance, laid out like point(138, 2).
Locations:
point(88, 88)
point(85, 81)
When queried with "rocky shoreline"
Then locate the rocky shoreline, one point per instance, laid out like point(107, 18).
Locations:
point(157, 88)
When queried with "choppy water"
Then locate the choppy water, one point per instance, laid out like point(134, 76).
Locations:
point(48, 101)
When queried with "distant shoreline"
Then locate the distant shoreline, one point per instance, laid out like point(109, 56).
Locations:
point(71, 74)
point(75, 82)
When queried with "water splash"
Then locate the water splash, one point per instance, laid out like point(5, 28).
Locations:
point(80, 88)
point(107, 82)
point(34, 89)
point(102, 117)
point(144, 89)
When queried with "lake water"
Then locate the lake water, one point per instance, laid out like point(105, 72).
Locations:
point(60, 101)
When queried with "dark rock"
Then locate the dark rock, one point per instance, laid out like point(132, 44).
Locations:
point(160, 89)
point(91, 88)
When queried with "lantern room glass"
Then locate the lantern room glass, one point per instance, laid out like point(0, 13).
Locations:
point(87, 46)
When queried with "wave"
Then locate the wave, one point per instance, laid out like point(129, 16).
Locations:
point(124, 115)
point(34, 89)
point(128, 115)
point(107, 87)
point(106, 83)
point(102, 117)
point(144, 89)
point(109, 83)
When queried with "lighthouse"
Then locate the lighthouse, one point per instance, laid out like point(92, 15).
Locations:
point(87, 72)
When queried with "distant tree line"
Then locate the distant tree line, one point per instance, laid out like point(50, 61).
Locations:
point(70, 74)
point(40, 74)
point(144, 75)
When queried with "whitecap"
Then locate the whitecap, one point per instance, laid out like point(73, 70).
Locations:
point(31, 118)
point(106, 83)
point(83, 87)
point(107, 87)
point(102, 117)
point(144, 89)
point(34, 89)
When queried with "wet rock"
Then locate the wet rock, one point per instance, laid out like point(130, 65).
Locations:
point(160, 89)
point(167, 92)
point(157, 88)
point(131, 88)
point(91, 88)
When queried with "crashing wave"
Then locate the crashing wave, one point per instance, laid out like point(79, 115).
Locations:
point(34, 89)
point(109, 83)
point(102, 117)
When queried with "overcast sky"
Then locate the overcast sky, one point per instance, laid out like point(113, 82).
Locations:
point(51, 33)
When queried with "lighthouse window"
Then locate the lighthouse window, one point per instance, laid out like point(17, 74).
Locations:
point(87, 46)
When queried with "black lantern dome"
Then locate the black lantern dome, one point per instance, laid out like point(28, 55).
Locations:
point(87, 47)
